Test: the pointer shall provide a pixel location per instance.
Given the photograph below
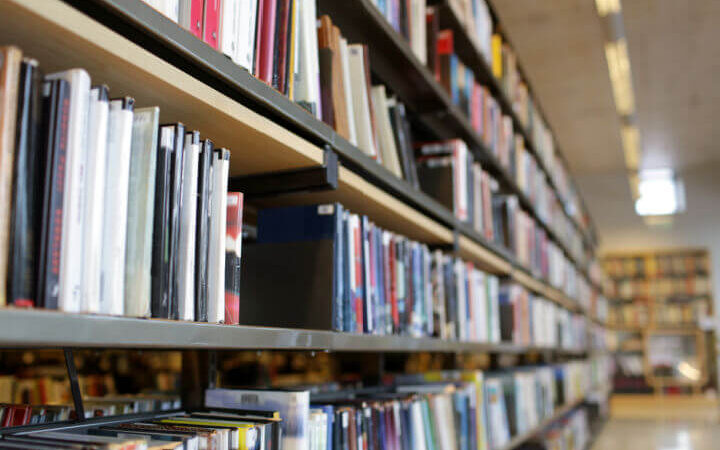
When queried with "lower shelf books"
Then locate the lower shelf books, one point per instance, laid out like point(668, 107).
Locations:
point(341, 272)
point(129, 216)
point(571, 432)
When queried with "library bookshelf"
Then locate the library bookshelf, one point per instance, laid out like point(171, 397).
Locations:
point(663, 293)
point(139, 52)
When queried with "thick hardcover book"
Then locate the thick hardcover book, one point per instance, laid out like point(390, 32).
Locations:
point(56, 112)
point(188, 228)
point(331, 77)
point(141, 211)
point(364, 122)
point(218, 224)
point(160, 301)
point(233, 253)
point(176, 185)
point(266, 41)
point(27, 189)
point(293, 243)
point(347, 89)
point(95, 173)
point(204, 192)
point(211, 23)
point(10, 62)
point(73, 241)
point(115, 222)
point(386, 138)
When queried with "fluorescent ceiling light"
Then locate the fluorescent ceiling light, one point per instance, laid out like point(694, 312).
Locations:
point(605, 7)
point(631, 146)
point(620, 76)
point(661, 193)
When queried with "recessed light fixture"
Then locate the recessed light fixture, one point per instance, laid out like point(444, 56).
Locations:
point(660, 193)
point(605, 7)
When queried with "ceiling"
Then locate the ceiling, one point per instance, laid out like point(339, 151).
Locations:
point(674, 48)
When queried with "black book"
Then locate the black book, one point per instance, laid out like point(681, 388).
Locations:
point(437, 180)
point(176, 184)
point(203, 231)
point(160, 271)
point(403, 141)
point(27, 189)
point(56, 112)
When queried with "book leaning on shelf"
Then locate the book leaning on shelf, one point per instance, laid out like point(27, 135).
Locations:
point(112, 212)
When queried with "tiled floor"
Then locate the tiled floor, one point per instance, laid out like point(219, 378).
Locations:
point(661, 423)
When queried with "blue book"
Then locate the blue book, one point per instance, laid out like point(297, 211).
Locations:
point(287, 272)
point(460, 402)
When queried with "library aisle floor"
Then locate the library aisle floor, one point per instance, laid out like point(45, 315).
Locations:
point(661, 423)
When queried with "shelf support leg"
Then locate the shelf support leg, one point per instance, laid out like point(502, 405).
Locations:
point(74, 384)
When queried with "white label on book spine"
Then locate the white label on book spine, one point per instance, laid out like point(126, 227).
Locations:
point(186, 263)
point(218, 228)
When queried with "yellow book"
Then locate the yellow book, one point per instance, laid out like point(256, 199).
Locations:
point(497, 68)
point(244, 439)
point(290, 82)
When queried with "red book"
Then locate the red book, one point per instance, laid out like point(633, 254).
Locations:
point(21, 415)
point(258, 28)
point(196, 18)
point(476, 108)
point(445, 44)
point(358, 301)
point(266, 40)
point(233, 252)
point(7, 418)
point(211, 23)
point(393, 285)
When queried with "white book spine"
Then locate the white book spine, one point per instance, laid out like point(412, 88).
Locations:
point(94, 197)
point(186, 294)
point(363, 125)
point(73, 238)
point(218, 228)
point(307, 89)
point(246, 34)
point(230, 28)
point(386, 137)
point(119, 144)
point(418, 39)
point(141, 207)
point(345, 63)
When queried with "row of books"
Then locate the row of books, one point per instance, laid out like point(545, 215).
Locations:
point(105, 209)
point(444, 410)
point(633, 315)
point(599, 338)
point(527, 319)
point(658, 288)
point(599, 306)
point(354, 276)
point(409, 19)
point(571, 432)
point(669, 314)
point(279, 42)
point(15, 414)
point(274, 40)
point(660, 265)
point(448, 172)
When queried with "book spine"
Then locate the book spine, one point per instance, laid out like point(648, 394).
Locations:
point(114, 239)
point(141, 212)
point(188, 228)
point(97, 143)
point(176, 185)
point(56, 115)
point(73, 239)
point(160, 303)
point(233, 253)
point(267, 41)
point(248, 31)
point(10, 63)
point(218, 224)
point(27, 192)
point(211, 23)
point(204, 192)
